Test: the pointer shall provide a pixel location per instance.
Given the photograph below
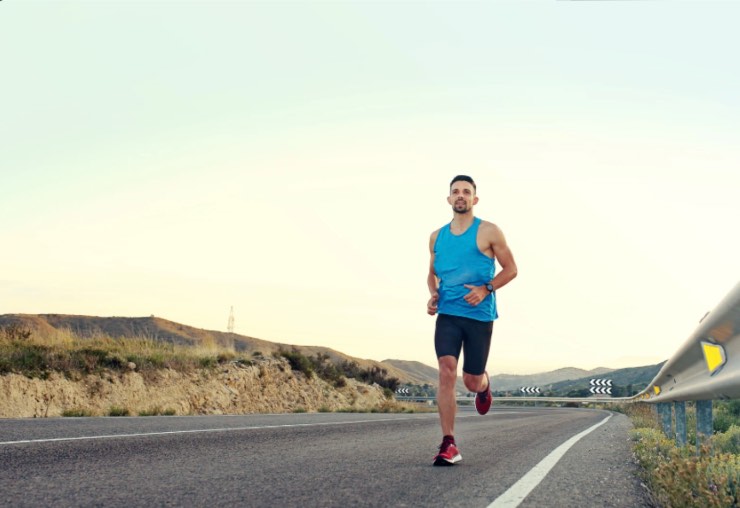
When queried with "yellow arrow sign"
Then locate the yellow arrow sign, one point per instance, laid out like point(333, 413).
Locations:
point(714, 355)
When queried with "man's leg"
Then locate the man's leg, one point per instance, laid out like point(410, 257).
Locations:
point(446, 403)
point(475, 384)
point(477, 346)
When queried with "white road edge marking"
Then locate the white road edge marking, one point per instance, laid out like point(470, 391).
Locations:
point(195, 431)
point(526, 484)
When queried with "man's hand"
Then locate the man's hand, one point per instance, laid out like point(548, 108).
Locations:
point(477, 294)
point(432, 304)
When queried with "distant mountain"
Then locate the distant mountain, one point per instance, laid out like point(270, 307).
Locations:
point(507, 382)
point(635, 377)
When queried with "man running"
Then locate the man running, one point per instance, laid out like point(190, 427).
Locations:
point(463, 293)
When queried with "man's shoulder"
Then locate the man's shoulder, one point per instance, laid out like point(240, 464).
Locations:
point(435, 233)
point(489, 229)
point(488, 225)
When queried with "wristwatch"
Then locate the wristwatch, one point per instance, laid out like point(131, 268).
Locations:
point(489, 288)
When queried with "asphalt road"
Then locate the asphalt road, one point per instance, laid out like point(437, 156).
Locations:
point(316, 459)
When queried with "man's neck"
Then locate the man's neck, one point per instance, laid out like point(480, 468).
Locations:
point(462, 221)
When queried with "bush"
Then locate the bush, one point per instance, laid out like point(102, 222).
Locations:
point(298, 362)
point(207, 362)
point(683, 477)
point(727, 442)
point(76, 413)
point(372, 375)
point(725, 414)
point(157, 411)
point(642, 416)
point(118, 411)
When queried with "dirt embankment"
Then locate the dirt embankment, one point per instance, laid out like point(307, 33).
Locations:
point(266, 386)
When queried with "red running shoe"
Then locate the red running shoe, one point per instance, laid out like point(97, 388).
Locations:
point(448, 454)
point(483, 399)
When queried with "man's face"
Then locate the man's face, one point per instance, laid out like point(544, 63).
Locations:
point(462, 197)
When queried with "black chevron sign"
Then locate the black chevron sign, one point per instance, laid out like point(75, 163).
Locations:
point(604, 390)
point(403, 391)
point(601, 382)
point(530, 389)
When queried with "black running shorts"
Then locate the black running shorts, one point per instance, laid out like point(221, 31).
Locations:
point(454, 333)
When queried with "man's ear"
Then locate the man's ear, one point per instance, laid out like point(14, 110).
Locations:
point(475, 200)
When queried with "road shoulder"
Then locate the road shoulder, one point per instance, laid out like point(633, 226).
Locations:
point(599, 470)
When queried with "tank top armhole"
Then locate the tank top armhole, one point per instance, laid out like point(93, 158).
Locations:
point(439, 233)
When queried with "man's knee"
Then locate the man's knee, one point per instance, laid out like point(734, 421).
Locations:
point(447, 370)
point(474, 383)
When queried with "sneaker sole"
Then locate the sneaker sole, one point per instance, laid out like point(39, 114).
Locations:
point(441, 461)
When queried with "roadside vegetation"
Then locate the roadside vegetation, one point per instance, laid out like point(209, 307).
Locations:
point(25, 352)
point(336, 374)
point(707, 475)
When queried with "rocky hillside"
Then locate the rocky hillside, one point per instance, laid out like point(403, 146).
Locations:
point(268, 385)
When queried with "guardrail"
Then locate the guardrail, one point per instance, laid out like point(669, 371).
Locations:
point(705, 368)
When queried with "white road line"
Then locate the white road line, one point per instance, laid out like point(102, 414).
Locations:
point(195, 431)
point(526, 484)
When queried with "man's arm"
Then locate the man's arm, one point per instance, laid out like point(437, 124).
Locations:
point(497, 245)
point(432, 282)
point(505, 258)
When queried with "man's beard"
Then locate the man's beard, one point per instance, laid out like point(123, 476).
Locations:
point(460, 207)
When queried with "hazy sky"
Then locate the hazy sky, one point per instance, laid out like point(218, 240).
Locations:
point(291, 160)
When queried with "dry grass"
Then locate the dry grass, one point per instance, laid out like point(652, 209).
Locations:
point(35, 355)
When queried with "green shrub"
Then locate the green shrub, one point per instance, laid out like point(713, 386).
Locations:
point(118, 411)
point(207, 362)
point(224, 357)
point(725, 414)
point(727, 442)
point(298, 362)
point(157, 411)
point(377, 375)
point(76, 413)
point(697, 480)
point(652, 447)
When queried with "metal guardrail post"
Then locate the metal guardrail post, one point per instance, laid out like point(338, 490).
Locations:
point(664, 410)
point(704, 428)
point(680, 412)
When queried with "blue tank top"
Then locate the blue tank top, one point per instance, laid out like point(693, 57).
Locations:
point(459, 261)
